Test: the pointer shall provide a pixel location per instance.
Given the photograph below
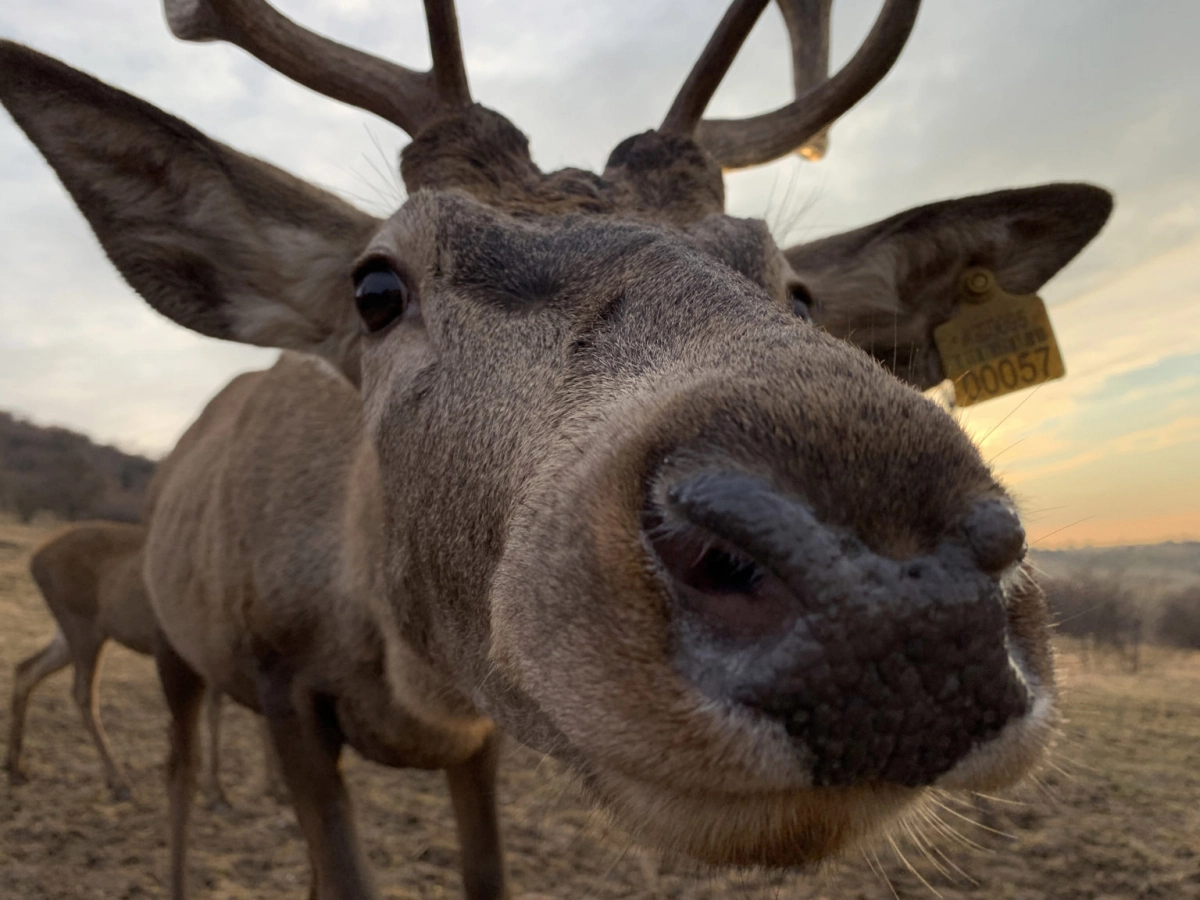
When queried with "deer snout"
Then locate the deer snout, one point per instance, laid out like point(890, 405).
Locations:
point(995, 535)
point(878, 670)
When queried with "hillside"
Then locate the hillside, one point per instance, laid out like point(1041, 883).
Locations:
point(66, 474)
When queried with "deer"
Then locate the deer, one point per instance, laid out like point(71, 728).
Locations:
point(574, 458)
point(90, 576)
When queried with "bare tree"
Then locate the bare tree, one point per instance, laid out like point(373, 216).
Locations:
point(1179, 619)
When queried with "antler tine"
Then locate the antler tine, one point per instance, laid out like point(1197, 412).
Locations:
point(807, 23)
point(704, 79)
point(449, 70)
point(759, 139)
point(403, 96)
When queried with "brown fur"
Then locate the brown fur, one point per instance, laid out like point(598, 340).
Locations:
point(90, 575)
point(313, 660)
point(462, 543)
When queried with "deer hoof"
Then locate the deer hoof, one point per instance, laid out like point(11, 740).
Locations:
point(122, 793)
point(16, 777)
point(220, 805)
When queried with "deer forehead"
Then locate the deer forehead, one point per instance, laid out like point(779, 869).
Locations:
point(656, 176)
point(524, 261)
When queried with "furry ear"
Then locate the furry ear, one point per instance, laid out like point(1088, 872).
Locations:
point(221, 243)
point(885, 287)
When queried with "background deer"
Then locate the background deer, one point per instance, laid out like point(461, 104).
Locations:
point(90, 575)
point(578, 467)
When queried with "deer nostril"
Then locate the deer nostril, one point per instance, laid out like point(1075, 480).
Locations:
point(706, 540)
point(720, 571)
point(717, 584)
point(995, 535)
point(700, 561)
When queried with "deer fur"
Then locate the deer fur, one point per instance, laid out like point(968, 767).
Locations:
point(470, 522)
point(90, 575)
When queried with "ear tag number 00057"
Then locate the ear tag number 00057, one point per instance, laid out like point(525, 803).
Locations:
point(997, 343)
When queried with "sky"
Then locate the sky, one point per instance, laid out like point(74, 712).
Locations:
point(985, 96)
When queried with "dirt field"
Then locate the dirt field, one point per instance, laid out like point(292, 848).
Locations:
point(1116, 816)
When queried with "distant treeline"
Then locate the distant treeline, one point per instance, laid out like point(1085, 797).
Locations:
point(1109, 610)
point(66, 474)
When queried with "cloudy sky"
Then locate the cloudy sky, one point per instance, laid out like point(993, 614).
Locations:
point(985, 96)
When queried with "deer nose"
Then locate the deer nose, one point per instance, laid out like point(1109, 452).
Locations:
point(879, 670)
point(995, 535)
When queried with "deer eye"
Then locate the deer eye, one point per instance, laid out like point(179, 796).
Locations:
point(381, 295)
point(802, 301)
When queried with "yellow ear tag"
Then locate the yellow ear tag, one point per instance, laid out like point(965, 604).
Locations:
point(997, 343)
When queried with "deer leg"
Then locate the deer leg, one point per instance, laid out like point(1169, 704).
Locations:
point(29, 673)
point(217, 801)
point(87, 664)
point(308, 741)
point(184, 690)
point(273, 783)
point(473, 794)
point(312, 880)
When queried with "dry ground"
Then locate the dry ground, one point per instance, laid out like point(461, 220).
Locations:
point(1116, 816)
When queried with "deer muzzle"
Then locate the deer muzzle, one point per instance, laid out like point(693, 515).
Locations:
point(880, 670)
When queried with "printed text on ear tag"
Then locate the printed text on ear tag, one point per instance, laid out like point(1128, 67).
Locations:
point(997, 342)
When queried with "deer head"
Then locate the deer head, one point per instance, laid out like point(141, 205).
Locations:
point(756, 591)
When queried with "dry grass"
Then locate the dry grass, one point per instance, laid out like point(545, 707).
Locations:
point(1116, 816)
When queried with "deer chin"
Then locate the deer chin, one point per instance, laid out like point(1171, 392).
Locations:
point(802, 826)
point(656, 775)
point(798, 828)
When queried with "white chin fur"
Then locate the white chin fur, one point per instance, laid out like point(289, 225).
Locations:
point(1005, 758)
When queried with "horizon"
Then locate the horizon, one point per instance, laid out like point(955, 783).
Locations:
point(983, 98)
point(1053, 548)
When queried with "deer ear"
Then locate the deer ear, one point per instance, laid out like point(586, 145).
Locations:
point(886, 286)
point(221, 243)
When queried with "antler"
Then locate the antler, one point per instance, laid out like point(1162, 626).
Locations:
point(702, 82)
point(405, 97)
point(807, 23)
point(747, 142)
